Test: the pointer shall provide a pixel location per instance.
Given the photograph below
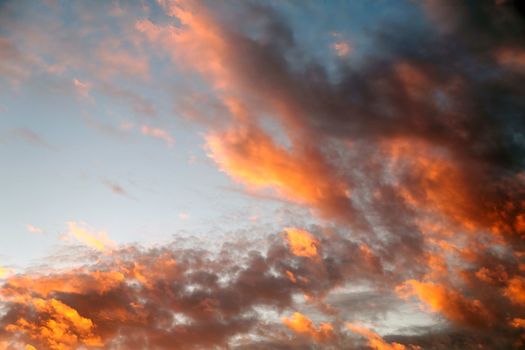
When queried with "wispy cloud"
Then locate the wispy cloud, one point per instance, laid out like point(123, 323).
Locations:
point(82, 88)
point(26, 135)
point(159, 134)
point(88, 236)
point(33, 229)
point(116, 188)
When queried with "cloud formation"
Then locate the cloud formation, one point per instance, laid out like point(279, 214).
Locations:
point(165, 297)
point(410, 160)
point(86, 235)
point(158, 133)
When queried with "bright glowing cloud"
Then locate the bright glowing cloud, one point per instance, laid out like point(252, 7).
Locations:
point(515, 290)
point(88, 236)
point(301, 324)
point(301, 242)
point(450, 303)
point(250, 156)
point(375, 341)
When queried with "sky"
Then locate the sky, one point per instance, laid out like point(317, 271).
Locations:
point(184, 174)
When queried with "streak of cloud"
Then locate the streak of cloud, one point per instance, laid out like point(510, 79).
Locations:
point(88, 236)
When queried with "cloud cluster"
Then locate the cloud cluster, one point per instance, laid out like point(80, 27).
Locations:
point(168, 297)
point(413, 158)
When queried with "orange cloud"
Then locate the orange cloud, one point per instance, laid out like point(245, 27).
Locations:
point(375, 341)
point(300, 175)
point(75, 281)
point(302, 242)
point(289, 274)
point(448, 302)
point(518, 323)
point(197, 43)
point(84, 234)
point(430, 182)
point(301, 324)
point(515, 290)
point(60, 328)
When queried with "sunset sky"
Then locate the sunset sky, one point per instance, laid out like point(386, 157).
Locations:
point(238, 174)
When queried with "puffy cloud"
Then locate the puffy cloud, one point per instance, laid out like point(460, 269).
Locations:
point(299, 323)
point(172, 296)
point(60, 327)
point(515, 290)
point(301, 242)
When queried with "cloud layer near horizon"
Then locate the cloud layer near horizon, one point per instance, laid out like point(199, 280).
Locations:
point(412, 159)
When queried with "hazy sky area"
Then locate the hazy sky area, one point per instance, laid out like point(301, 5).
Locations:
point(183, 174)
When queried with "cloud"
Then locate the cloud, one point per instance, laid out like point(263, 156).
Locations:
point(515, 290)
point(86, 235)
point(301, 242)
point(61, 328)
point(159, 134)
point(412, 158)
point(299, 323)
point(28, 136)
point(33, 229)
point(300, 175)
point(375, 341)
point(116, 188)
point(450, 303)
point(83, 88)
point(14, 66)
point(170, 296)
point(4, 272)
